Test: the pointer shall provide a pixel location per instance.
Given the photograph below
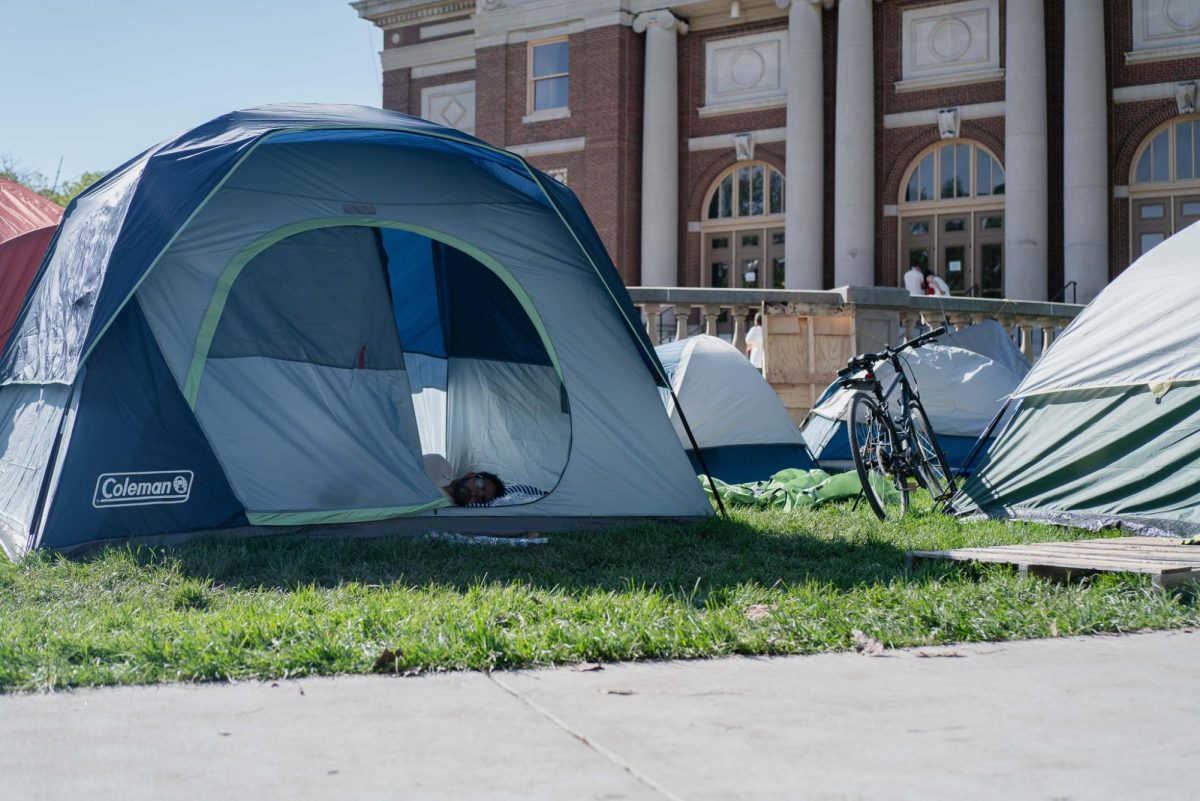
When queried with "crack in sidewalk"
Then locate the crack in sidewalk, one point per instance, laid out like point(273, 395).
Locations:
point(607, 753)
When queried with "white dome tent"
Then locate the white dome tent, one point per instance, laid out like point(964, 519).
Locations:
point(742, 429)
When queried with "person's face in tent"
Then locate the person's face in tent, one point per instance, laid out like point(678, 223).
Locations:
point(473, 488)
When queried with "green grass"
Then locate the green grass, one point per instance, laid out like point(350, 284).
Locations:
point(289, 606)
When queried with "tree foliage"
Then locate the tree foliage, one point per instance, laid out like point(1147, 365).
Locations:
point(61, 194)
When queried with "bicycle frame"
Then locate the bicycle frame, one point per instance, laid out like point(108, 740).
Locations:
point(898, 425)
point(903, 456)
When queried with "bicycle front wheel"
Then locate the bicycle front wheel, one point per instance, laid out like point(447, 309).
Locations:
point(932, 470)
point(871, 446)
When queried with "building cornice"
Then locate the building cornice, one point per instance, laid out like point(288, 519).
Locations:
point(396, 13)
point(513, 22)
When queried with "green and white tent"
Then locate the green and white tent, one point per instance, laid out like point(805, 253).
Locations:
point(1107, 432)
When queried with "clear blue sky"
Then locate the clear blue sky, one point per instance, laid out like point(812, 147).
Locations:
point(98, 81)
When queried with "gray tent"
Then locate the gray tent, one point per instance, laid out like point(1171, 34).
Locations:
point(1108, 428)
point(267, 321)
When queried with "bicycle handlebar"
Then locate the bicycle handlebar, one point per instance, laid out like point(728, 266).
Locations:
point(865, 361)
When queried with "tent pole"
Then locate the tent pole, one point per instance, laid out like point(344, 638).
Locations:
point(983, 438)
point(37, 523)
point(699, 453)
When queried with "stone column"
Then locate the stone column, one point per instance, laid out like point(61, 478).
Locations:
point(1085, 151)
point(653, 313)
point(1026, 203)
point(660, 148)
point(739, 327)
point(804, 195)
point(682, 313)
point(854, 148)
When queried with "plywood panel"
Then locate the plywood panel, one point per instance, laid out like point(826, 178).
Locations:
point(784, 324)
point(840, 326)
point(787, 358)
point(798, 399)
point(830, 354)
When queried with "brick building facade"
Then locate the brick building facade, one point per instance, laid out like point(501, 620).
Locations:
point(1021, 148)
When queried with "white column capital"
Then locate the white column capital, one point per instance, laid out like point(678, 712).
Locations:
point(659, 18)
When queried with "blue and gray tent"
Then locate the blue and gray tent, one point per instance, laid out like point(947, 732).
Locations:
point(265, 322)
point(964, 379)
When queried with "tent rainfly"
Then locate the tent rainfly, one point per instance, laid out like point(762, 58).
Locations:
point(1107, 432)
point(743, 430)
point(964, 379)
point(265, 322)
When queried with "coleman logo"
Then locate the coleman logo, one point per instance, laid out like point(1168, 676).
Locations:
point(142, 489)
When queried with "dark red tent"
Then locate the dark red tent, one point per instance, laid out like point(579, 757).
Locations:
point(19, 260)
point(27, 223)
point(23, 210)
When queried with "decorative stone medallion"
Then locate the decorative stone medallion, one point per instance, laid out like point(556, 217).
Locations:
point(951, 39)
point(745, 68)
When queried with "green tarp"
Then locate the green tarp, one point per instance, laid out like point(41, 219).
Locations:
point(794, 489)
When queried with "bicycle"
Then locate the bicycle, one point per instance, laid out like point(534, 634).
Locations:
point(893, 449)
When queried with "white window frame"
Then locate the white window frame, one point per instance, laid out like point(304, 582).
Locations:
point(530, 82)
point(1169, 191)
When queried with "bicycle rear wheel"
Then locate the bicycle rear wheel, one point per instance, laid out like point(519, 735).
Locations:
point(871, 446)
point(932, 470)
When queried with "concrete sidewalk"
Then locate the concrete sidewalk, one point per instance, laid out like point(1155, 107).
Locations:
point(1084, 718)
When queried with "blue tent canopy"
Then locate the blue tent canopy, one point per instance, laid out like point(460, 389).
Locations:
point(149, 198)
point(277, 318)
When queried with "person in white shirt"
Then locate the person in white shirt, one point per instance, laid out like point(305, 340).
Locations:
point(754, 342)
point(914, 281)
point(937, 284)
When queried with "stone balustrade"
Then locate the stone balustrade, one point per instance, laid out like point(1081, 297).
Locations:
point(809, 335)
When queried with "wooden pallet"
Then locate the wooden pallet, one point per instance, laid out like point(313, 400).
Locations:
point(1168, 561)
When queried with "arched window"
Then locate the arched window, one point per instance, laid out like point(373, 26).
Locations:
point(951, 209)
point(743, 228)
point(1164, 193)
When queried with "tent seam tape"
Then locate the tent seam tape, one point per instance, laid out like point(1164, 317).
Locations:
point(1091, 387)
point(341, 515)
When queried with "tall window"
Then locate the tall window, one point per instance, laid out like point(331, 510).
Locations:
point(548, 74)
point(1164, 193)
point(948, 167)
point(952, 218)
point(743, 228)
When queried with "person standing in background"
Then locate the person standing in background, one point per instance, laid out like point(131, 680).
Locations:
point(914, 281)
point(935, 285)
point(754, 343)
